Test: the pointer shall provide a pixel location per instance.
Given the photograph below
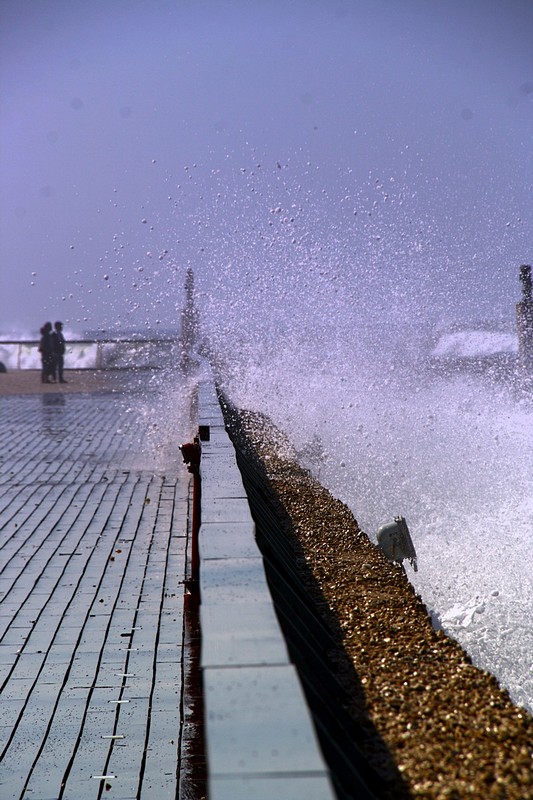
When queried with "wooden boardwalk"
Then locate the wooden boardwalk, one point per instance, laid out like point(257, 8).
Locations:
point(93, 540)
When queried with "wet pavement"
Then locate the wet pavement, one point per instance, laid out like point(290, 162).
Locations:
point(93, 541)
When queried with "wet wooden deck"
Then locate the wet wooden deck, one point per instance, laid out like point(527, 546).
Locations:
point(93, 525)
point(103, 689)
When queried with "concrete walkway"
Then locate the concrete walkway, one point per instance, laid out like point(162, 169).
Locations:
point(93, 540)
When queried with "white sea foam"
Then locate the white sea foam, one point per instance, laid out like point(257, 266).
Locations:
point(475, 344)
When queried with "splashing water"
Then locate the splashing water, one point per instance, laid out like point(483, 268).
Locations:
point(321, 306)
point(451, 454)
point(332, 338)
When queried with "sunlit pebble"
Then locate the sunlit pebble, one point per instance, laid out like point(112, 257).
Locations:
point(72, 247)
point(140, 269)
point(32, 283)
point(153, 161)
point(106, 277)
point(144, 221)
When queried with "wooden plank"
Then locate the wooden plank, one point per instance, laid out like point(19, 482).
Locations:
point(159, 779)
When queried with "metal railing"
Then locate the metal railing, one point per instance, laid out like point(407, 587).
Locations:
point(101, 354)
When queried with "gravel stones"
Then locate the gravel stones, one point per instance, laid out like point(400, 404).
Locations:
point(452, 731)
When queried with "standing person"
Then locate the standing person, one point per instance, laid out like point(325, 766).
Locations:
point(58, 350)
point(47, 354)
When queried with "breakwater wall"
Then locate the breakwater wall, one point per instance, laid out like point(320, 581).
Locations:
point(260, 737)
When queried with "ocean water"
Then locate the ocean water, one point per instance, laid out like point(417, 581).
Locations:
point(449, 446)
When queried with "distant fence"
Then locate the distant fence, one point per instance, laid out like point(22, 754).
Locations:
point(106, 354)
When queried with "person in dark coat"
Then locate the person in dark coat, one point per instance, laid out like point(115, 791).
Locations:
point(58, 349)
point(47, 354)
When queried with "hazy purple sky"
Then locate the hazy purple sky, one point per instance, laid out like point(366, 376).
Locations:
point(141, 136)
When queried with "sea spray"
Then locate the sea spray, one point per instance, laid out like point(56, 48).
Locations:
point(450, 453)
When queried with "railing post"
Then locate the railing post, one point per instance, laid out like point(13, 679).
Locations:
point(524, 319)
point(191, 454)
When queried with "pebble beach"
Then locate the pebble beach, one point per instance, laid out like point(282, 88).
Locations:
point(452, 731)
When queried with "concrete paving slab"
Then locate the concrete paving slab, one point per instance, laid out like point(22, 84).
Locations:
point(244, 735)
point(289, 787)
point(235, 540)
point(249, 635)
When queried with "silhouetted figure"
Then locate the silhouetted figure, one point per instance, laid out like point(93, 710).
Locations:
point(58, 349)
point(47, 354)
